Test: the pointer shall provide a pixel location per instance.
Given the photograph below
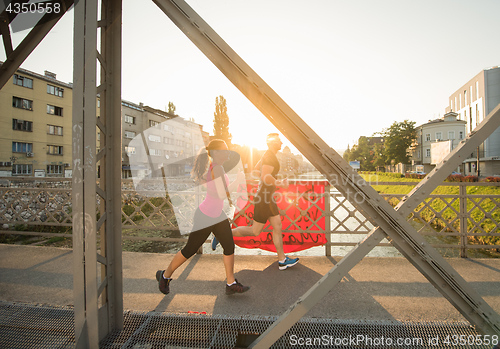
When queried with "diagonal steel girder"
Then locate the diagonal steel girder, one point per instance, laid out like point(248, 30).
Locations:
point(404, 208)
point(16, 57)
point(390, 222)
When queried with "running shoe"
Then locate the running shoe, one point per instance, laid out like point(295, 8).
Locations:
point(215, 242)
point(289, 262)
point(163, 284)
point(236, 288)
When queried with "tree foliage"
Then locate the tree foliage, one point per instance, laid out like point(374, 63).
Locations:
point(221, 121)
point(398, 139)
point(374, 155)
point(362, 152)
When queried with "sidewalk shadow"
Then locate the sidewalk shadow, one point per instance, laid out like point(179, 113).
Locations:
point(273, 292)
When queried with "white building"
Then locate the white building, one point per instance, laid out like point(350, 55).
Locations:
point(473, 102)
point(435, 136)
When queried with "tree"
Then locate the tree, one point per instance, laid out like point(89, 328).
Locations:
point(378, 157)
point(363, 153)
point(171, 108)
point(397, 140)
point(221, 121)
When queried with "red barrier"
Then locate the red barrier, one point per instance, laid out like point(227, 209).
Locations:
point(303, 203)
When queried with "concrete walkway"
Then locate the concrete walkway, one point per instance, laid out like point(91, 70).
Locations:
point(376, 289)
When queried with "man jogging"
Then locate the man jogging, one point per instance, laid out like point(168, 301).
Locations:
point(265, 204)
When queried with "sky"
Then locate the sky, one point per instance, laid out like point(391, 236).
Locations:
point(348, 68)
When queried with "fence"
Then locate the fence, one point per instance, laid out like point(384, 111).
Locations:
point(471, 220)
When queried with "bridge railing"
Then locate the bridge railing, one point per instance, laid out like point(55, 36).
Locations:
point(461, 219)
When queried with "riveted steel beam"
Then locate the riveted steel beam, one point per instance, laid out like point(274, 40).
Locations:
point(98, 307)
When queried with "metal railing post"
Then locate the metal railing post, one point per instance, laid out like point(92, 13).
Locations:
point(197, 202)
point(327, 213)
point(463, 219)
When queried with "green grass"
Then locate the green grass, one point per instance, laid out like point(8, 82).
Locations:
point(488, 222)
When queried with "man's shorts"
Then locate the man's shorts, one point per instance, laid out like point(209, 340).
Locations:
point(265, 207)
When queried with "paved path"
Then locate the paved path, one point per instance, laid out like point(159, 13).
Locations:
point(376, 289)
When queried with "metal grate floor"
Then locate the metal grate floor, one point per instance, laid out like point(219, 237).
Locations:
point(40, 326)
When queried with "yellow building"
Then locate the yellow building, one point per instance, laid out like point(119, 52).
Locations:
point(35, 126)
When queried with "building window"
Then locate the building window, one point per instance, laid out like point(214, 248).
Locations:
point(54, 169)
point(179, 143)
point(427, 137)
point(130, 119)
point(20, 169)
point(187, 134)
point(439, 136)
point(19, 147)
point(169, 128)
point(167, 140)
point(461, 135)
point(418, 154)
point(451, 134)
point(53, 110)
point(23, 81)
point(428, 153)
point(477, 90)
point(129, 150)
point(54, 90)
point(55, 130)
point(155, 152)
point(54, 150)
point(129, 134)
point(22, 125)
point(153, 123)
point(154, 138)
point(465, 98)
point(22, 103)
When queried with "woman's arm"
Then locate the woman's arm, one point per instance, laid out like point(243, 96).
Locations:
point(219, 179)
point(240, 179)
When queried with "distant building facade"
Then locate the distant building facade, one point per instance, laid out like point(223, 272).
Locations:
point(448, 128)
point(170, 140)
point(473, 102)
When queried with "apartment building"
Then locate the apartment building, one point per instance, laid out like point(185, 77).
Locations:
point(440, 135)
point(35, 121)
point(162, 138)
point(473, 102)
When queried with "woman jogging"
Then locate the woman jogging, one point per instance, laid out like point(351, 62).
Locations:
point(209, 216)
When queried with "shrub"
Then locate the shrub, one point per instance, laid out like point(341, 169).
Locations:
point(414, 175)
point(470, 179)
point(492, 179)
point(454, 178)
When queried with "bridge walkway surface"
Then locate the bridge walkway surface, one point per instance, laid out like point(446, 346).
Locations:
point(380, 297)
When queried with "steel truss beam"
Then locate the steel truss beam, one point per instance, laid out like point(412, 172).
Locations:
point(391, 223)
point(94, 317)
point(16, 57)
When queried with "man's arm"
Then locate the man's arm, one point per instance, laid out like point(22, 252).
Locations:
point(267, 177)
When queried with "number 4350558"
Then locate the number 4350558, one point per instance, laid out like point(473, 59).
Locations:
point(41, 7)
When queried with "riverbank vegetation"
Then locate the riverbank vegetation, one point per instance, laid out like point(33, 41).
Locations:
point(443, 213)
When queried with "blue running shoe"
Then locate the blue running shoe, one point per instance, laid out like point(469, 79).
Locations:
point(215, 242)
point(289, 262)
